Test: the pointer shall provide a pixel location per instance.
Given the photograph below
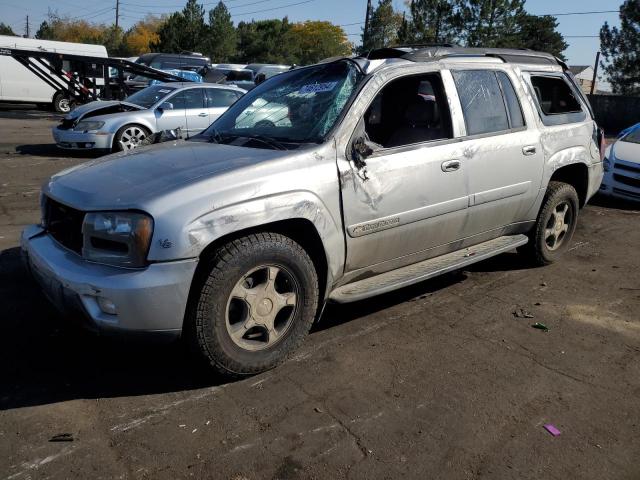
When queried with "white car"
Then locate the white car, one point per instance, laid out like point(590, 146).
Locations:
point(622, 167)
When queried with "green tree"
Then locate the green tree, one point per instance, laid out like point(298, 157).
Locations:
point(487, 22)
point(383, 27)
point(6, 30)
point(435, 21)
point(536, 33)
point(45, 31)
point(183, 31)
point(221, 41)
point(264, 41)
point(620, 47)
point(312, 41)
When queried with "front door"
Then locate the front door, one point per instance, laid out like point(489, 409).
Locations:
point(412, 193)
point(196, 111)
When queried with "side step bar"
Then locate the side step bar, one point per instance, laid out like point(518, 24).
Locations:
point(418, 272)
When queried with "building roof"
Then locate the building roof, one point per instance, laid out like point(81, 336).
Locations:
point(578, 69)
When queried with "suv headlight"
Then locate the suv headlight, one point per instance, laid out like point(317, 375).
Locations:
point(117, 238)
point(89, 126)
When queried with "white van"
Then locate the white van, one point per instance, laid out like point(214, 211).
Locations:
point(18, 84)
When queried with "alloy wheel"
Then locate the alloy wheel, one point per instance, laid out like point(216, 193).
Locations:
point(261, 307)
point(132, 137)
point(558, 225)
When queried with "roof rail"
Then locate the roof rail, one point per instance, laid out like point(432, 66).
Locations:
point(436, 52)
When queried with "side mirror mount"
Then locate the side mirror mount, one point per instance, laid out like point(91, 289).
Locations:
point(165, 106)
point(361, 150)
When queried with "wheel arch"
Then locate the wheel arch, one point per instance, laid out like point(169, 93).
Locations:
point(124, 124)
point(576, 175)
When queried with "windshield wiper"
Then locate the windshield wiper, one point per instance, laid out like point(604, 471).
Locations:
point(268, 141)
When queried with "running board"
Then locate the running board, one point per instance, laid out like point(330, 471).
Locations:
point(418, 272)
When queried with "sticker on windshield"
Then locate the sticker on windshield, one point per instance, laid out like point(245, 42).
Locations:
point(318, 87)
point(164, 90)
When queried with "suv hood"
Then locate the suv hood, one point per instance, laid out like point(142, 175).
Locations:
point(127, 180)
point(93, 109)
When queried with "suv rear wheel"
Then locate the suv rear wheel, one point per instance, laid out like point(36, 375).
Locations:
point(254, 304)
point(555, 224)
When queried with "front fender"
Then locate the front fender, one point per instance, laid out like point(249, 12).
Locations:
point(262, 211)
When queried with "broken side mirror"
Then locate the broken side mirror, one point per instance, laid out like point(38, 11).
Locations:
point(361, 150)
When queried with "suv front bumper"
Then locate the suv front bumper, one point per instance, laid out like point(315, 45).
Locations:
point(149, 300)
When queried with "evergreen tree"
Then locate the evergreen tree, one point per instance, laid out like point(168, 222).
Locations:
point(264, 41)
point(6, 30)
point(221, 41)
point(183, 31)
point(435, 21)
point(487, 22)
point(620, 48)
point(536, 33)
point(383, 27)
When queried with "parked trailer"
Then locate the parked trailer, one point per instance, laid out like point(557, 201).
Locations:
point(76, 78)
point(19, 85)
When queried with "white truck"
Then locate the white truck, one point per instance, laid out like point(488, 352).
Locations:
point(20, 85)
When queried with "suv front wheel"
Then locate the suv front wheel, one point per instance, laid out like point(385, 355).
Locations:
point(255, 301)
point(556, 222)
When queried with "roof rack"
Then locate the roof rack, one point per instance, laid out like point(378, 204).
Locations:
point(434, 52)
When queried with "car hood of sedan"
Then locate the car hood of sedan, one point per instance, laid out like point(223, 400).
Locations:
point(93, 109)
point(127, 180)
point(627, 151)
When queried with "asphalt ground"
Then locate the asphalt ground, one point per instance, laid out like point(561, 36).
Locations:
point(437, 381)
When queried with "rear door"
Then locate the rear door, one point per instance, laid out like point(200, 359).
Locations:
point(218, 100)
point(502, 149)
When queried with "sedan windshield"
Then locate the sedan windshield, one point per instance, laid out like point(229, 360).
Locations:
point(300, 106)
point(149, 96)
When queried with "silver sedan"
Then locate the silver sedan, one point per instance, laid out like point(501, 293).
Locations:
point(124, 125)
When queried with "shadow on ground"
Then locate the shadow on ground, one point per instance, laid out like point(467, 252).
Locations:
point(51, 150)
point(605, 201)
point(44, 359)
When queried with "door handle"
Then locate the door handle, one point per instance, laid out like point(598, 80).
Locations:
point(529, 150)
point(450, 166)
point(203, 114)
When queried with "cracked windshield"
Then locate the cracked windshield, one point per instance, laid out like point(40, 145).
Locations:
point(294, 108)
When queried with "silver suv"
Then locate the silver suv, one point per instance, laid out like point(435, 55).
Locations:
point(333, 182)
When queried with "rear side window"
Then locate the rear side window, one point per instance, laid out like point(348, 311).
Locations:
point(557, 102)
point(511, 99)
point(217, 97)
point(482, 104)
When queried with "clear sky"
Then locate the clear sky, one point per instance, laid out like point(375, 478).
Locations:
point(581, 51)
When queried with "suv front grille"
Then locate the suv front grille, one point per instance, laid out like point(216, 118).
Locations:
point(632, 182)
point(64, 224)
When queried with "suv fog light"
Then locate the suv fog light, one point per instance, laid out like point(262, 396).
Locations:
point(107, 306)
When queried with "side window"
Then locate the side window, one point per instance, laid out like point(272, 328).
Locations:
point(218, 97)
point(557, 102)
point(409, 110)
point(511, 99)
point(482, 104)
point(554, 95)
point(188, 99)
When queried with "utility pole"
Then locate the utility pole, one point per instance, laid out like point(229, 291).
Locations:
point(117, 12)
point(365, 37)
point(26, 28)
point(595, 73)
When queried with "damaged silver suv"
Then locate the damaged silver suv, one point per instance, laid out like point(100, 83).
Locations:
point(334, 182)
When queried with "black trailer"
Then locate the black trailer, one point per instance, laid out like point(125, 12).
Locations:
point(80, 79)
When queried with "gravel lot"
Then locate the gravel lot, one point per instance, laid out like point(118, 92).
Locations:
point(439, 380)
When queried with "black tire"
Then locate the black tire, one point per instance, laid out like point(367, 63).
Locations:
point(117, 145)
point(542, 249)
point(61, 103)
point(207, 323)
